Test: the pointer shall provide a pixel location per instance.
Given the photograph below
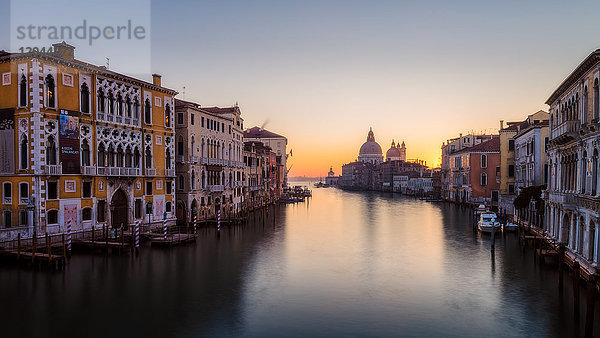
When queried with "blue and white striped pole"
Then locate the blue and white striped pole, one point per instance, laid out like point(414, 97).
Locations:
point(165, 228)
point(219, 220)
point(69, 236)
point(137, 233)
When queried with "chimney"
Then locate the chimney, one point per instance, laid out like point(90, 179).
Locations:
point(64, 50)
point(501, 124)
point(156, 79)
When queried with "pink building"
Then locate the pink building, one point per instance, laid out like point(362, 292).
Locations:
point(475, 173)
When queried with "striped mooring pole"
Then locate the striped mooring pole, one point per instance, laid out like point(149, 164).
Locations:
point(137, 233)
point(195, 226)
point(165, 228)
point(69, 236)
point(219, 220)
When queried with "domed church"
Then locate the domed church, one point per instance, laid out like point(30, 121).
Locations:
point(370, 151)
point(396, 153)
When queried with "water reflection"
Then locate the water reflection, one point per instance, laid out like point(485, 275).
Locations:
point(344, 263)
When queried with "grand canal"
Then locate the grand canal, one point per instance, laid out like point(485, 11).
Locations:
point(343, 263)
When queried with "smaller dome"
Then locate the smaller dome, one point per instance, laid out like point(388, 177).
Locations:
point(393, 154)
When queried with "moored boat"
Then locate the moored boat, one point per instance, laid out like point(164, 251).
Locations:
point(487, 222)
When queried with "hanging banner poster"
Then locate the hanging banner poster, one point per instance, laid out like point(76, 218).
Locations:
point(7, 138)
point(69, 144)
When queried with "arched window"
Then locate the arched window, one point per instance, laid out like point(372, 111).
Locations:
point(583, 172)
point(592, 246)
point(7, 218)
point(24, 149)
point(85, 99)
point(595, 173)
point(580, 235)
point(203, 179)
point(128, 158)
point(136, 158)
point(136, 109)
point(483, 179)
point(584, 108)
point(110, 156)
point(101, 156)
point(85, 153)
point(119, 105)
point(168, 159)
point(147, 112)
point(596, 100)
point(484, 161)
point(50, 92)
point(192, 150)
point(101, 100)
point(168, 115)
point(148, 158)
point(23, 91)
point(23, 191)
point(120, 156)
point(111, 103)
point(50, 151)
point(193, 180)
point(128, 107)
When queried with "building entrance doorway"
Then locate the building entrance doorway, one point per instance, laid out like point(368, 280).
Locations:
point(119, 208)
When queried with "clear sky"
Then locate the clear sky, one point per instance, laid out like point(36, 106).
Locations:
point(323, 72)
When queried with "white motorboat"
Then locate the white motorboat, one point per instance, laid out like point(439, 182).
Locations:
point(510, 227)
point(487, 222)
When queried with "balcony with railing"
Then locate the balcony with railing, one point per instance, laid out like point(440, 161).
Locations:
point(565, 132)
point(193, 159)
point(216, 161)
point(170, 172)
point(256, 187)
point(120, 119)
point(216, 188)
point(53, 169)
point(118, 171)
point(179, 159)
point(204, 160)
point(150, 171)
point(88, 170)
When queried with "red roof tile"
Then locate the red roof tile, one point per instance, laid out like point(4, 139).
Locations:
point(489, 146)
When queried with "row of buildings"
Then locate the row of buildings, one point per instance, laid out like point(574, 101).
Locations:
point(395, 174)
point(555, 152)
point(85, 144)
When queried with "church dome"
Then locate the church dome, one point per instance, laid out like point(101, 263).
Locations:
point(370, 147)
point(393, 154)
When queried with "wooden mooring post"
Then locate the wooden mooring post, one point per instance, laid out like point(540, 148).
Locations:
point(64, 246)
point(18, 247)
point(48, 249)
point(33, 247)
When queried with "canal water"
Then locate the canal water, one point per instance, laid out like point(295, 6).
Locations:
point(341, 264)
